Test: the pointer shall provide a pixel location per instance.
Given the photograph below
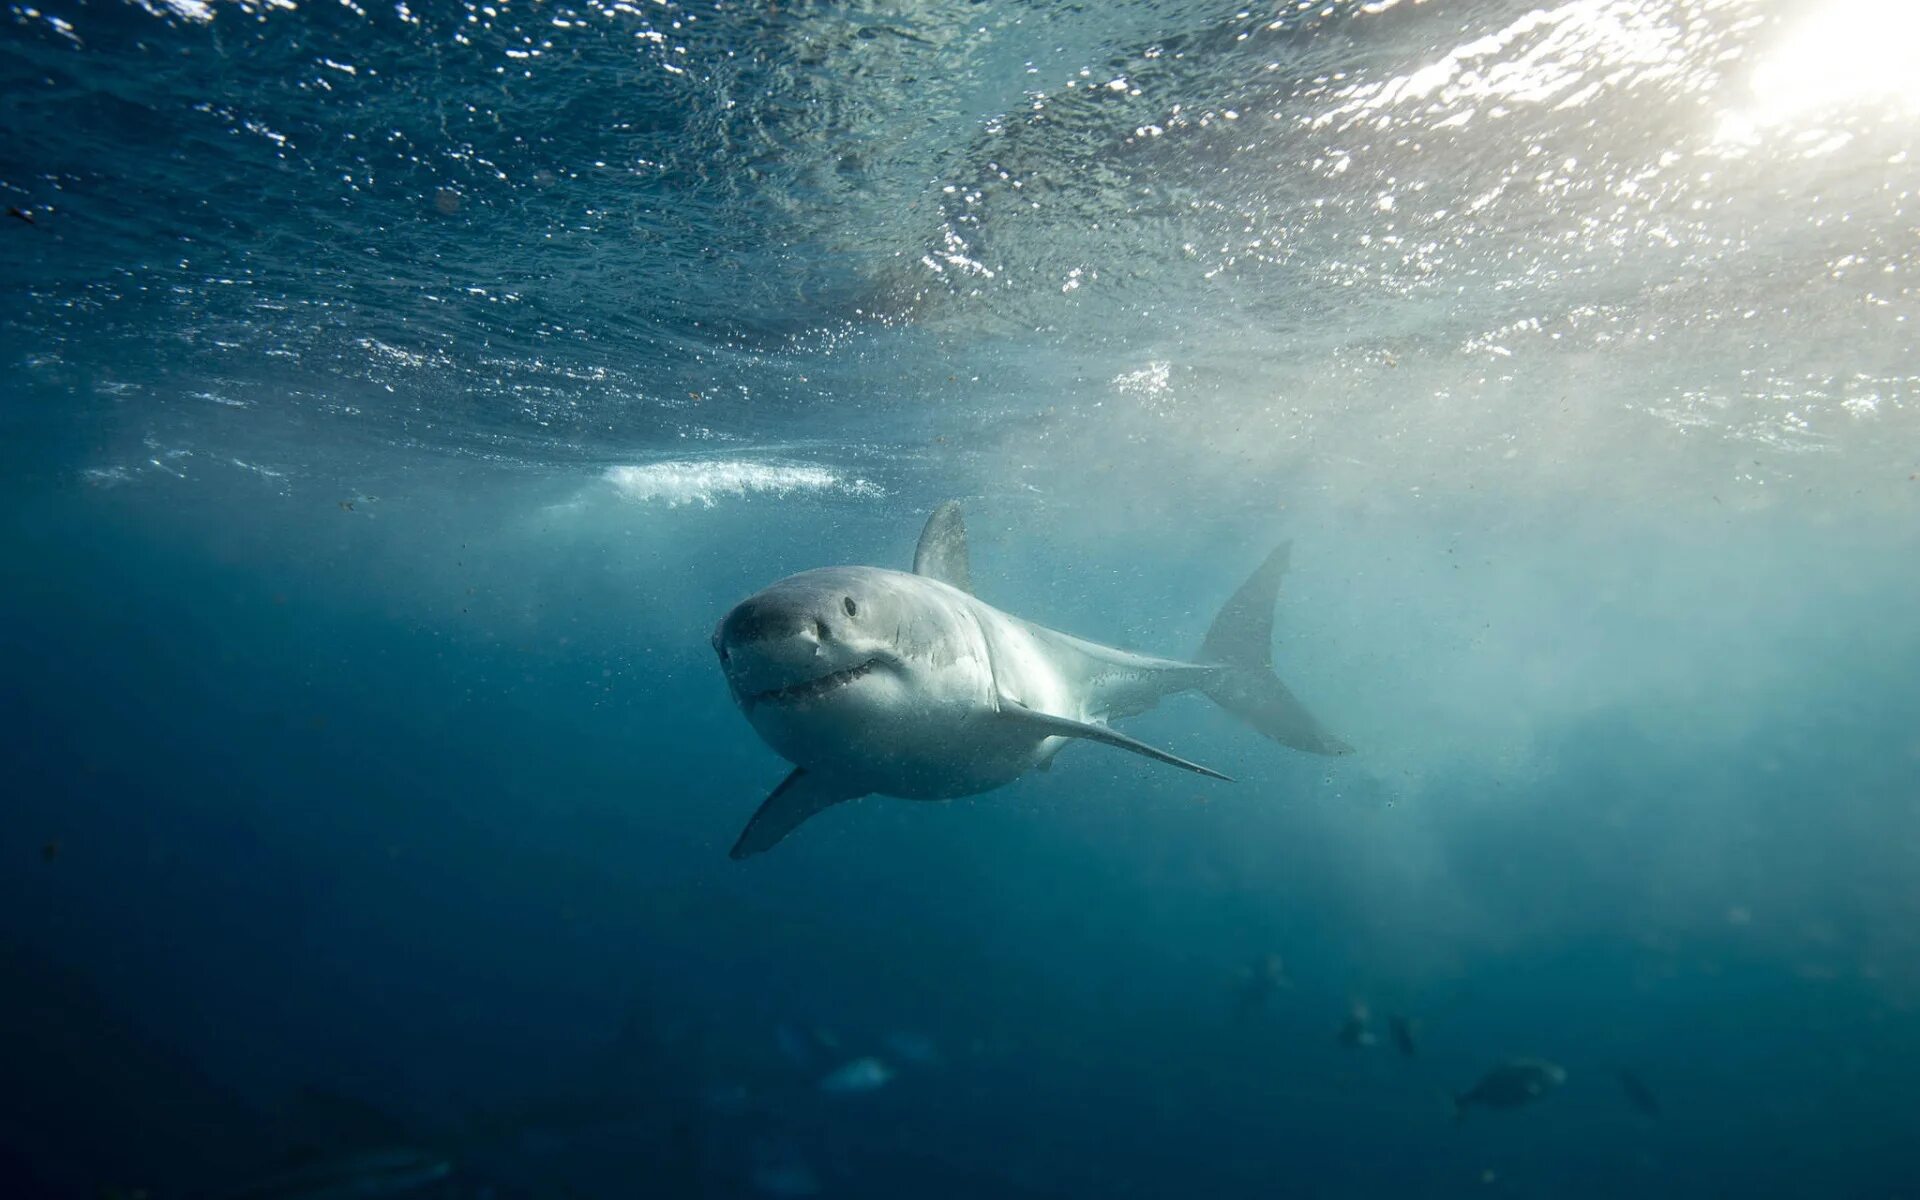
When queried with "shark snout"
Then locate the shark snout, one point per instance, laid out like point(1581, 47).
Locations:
point(767, 646)
point(763, 620)
point(806, 638)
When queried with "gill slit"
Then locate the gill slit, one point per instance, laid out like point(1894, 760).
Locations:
point(986, 652)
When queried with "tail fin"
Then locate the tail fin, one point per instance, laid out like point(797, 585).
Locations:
point(1241, 641)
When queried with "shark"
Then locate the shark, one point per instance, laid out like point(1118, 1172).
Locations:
point(873, 681)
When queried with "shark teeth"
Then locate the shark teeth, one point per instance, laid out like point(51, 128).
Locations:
point(813, 688)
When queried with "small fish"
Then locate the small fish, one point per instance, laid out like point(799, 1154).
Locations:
point(916, 1048)
point(867, 33)
point(1515, 1083)
point(794, 1045)
point(1258, 983)
point(860, 1075)
point(1403, 1029)
point(1356, 1033)
point(1639, 1094)
point(20, 214)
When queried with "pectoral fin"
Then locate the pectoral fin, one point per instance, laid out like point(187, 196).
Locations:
point(1047, 725)
point(799, 796)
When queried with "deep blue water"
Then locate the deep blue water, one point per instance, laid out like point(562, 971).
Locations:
point(395, 397)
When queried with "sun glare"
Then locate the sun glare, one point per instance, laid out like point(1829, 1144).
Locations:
point(1846, 54)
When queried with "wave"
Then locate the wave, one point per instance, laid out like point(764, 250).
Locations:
point(703, 481)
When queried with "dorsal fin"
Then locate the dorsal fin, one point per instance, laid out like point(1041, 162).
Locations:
point(942, 553)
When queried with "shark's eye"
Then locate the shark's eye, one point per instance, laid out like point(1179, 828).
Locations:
point(846, 602)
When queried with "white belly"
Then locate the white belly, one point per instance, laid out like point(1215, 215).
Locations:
point(923, 733)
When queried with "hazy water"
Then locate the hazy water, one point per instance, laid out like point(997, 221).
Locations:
point(396, 396)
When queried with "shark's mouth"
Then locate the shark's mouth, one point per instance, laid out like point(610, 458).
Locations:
point(813, 689)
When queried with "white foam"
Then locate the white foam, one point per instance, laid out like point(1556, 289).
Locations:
point(192, 10)
point(703, 481)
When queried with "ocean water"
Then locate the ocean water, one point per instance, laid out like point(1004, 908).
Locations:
point(396, 395)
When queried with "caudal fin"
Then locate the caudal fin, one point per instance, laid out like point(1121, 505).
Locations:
point(1241, 642)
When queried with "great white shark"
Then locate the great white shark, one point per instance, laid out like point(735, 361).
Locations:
point(880, 682)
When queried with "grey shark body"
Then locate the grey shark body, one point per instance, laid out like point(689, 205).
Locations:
point(894, 683)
